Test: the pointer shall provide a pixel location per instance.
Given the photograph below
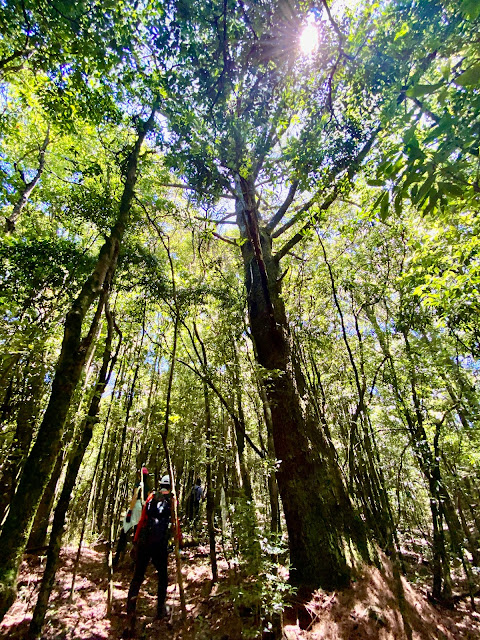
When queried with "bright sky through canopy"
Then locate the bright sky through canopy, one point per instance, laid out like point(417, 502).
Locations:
point(309, 38)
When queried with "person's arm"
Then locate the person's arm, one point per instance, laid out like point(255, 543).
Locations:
point(132, 503)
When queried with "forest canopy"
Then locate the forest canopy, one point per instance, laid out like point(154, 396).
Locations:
point(240, 241)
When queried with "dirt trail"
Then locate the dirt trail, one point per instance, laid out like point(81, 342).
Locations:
point(366, 611)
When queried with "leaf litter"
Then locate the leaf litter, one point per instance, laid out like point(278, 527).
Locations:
point(367, 610)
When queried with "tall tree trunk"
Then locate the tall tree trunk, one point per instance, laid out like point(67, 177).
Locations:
point(38, 534)
point(15, 459)
point(240, 426)
point(363, 469)
point(100, 510)
point(122, 462)
point(70, 479)
point(273, 492)
point(428, 462)
point(210, 489)
point(318, 512)
point(209, 456)
point(113, 362)
point(41, 459)
point(168, 459)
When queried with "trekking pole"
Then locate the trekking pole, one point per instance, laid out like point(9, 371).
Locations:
point(176, 536)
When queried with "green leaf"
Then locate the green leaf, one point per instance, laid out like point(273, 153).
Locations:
point(445, 70)
point(423, 89)
point(470, 9)
point(451, 189)
point(414, 177)
point(409, 134)
point(398, 203)
point(469, 77)
point(384, 207)
point(444, 125)
point(404, 29)
point(432, 200)
point(424, 190)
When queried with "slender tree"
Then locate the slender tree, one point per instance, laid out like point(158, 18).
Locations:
point(42, 457)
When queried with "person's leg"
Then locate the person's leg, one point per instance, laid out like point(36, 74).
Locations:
point(141, 564)
point(160, 562)
point(121, 546)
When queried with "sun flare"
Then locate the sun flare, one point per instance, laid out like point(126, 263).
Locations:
point(309, 39)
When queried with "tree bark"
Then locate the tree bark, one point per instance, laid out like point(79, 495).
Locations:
point(318, 512)
point(28, 410)
point(41, 459)
point(38, 534)
point(68, 485)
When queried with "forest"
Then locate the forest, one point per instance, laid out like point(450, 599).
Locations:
point(239, 242)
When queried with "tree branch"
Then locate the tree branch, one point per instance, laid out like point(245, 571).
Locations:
point(350, 172)
point(225, 404)
point(295, 218)
point(177, 185)
point(284, 207)
point(224, 239)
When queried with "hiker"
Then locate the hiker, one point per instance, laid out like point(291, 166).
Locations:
point(133, 514)
point(151, 543)
point(197, 496)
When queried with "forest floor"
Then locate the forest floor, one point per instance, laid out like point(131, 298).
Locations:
point(367, 610)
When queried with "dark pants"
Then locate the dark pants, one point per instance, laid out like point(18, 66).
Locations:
point(158, 554)
point(122, 545)
point(196, 509)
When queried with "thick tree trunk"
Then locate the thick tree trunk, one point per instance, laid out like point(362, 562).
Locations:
point(38, 534)
point(41, 459)
point(27, 411)
point(64, 500)
point(318, 513)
